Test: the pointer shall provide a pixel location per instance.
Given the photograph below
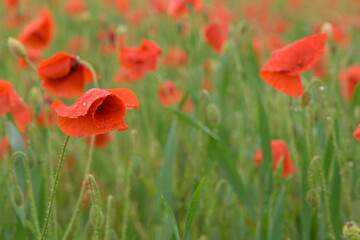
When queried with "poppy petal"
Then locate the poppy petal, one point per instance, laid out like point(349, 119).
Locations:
point(81, 106)
point(128, 96)
point(21, 113)
point(290, 85)
point(57, 66)
point(357, 133)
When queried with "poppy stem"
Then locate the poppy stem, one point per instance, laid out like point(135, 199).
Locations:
point(54, 188)
point(83, 185)
point(92, 70)
point(95, 191)
point(30, 63)
point(109, 216)
point(30, 189)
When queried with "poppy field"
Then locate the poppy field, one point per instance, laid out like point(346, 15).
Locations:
point(179, 119)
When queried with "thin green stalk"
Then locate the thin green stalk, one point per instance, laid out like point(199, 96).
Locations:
point(92, 70)
point(127, 200)
point(109, 216)
point(83, 185)
point(31, 191)
point(97, 199)
point(54, 188)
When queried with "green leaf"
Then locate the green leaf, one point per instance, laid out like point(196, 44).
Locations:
point(16, 141)
point(171, 218)
point(167, 169)
point(277, 220)
point(194, 122)
point(191, 212)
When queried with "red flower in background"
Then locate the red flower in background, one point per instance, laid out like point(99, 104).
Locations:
point(279, 151)
point(14, 20)
point(11, 102)
point(215, 35)
point(169, 94)
point(11, 4)
point(179, 8)
point(4, 146)
point(51, 119)
point(97, 111)
point(101, 140)
point(37, 34)
point(175, 57)
point(349, 79)
point(136, 61)
point(282, 71)
point(357, 133)
point(74, 7)
point(63, 75)
point(110, 41)
point(159, 6)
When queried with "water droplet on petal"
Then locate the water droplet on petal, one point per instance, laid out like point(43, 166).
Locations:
point(84, 104)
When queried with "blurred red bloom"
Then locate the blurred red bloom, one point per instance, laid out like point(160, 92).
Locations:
point(175, 57)
point(4, 146)
point(14, 20)
point(282, 71)
point(279, 151)
point(101, 140)
point(357, 133)
point(63, 75)
point(122, 77)
point(169, 94)
point(349, 79)
point(37, 34)
point(51, 119)
point(11, 4)
point(97, 111)
point(136, 61)
point(74, 7)
point(11, 102)
point(180, 8)
point(76, 44)
point(110, 41)
point(158, 5)
point(215, 35)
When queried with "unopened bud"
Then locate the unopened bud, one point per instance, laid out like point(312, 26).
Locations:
point(327, 28)
point(313, 198)
point(94, 214)
point(86, 17)
point(16, 47)
point(18, 195)
point(351, 231)
point(121, 29)
point(357, 113)
point(213, 114)
point(305, 100)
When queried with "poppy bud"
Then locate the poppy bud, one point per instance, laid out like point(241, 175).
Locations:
point(121, 29)
point(111, 217)
point(35, 96)
point(93, 215)
point(351, 231)
point(305, 100)
point(16, 47)
point(313, 198)
point(85, 17)
point(327, 28)
point(18, 195)
point(357, 113)
point(213, 114)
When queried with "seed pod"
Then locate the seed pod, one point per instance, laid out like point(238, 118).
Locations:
point(18, 195)
point(93, 215)
point(305, 100)
point(327, 28)
point(313, 198)
point(16, 47)
point(213, 114)
point(351, 231)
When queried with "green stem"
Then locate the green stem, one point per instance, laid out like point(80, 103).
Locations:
point(31, 191)
point(83, 185)
point(92, 70)
point(127, 200)
point(54, 188)
point(97, 199)
point(109, 218)
point(30, 63)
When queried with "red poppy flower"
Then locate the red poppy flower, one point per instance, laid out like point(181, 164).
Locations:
point(110, 41)
point(175, 56)
point(215, 35)
point(349, 79)
point(74, 7)
point(357, 133)
point(4, 146)
point(179, 8)
point(97, 111)
point(101, 140)
point(136, 61)
point(282, 71)
point(11, 102)
point(158, 5)
point(14, 20)
point(38, 33)
point(63, 75)
point(279, 151)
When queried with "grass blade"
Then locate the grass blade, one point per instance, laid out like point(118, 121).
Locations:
point(191, 212)
point(172, 219)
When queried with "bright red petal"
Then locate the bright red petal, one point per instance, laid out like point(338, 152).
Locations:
point(290, 85)
point(128, 96)
point(57, 66)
